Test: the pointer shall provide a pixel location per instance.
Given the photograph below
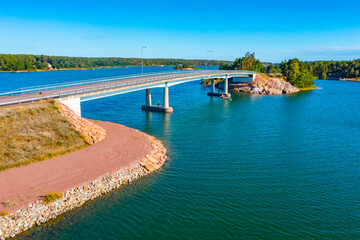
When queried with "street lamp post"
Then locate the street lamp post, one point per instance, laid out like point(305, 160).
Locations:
point(142, 61)
point(207, 55)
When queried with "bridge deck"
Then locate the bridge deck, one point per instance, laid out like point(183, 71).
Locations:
point(98, 86)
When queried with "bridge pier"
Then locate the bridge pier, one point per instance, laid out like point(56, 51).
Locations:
point(226, 89)
point(148, 97)
point(226, 86)
point(166, 97)
point(212, 85)
point(164, 108)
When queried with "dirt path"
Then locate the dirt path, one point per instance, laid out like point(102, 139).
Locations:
point(121, 148)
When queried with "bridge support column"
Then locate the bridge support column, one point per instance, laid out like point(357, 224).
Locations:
point(226, 85)
point(148, 97)
point(212, 85)
point(166, 97)
point(164, 108)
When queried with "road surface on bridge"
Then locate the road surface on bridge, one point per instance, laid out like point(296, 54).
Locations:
point(96, 86)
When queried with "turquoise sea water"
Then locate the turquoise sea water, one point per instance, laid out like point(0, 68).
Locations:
point(257, 167)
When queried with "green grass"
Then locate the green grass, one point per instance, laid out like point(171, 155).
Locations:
point(35, 132)
point(308, 88)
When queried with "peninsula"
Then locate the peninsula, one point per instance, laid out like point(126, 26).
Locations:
point(38, 190)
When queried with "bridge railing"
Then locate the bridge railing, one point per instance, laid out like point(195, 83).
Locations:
point(115, 82)
point(48, 87)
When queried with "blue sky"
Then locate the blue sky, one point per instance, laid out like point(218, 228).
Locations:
point(274, 30)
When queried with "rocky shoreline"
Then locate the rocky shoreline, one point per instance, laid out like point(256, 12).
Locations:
point(38, 212)
point(266, 86)
point(262, 85)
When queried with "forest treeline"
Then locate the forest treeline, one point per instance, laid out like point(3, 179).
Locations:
point(22, 62)
point(324, 69)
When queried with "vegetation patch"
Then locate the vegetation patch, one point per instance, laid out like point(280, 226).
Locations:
point(247, 63)
point(3, 213)
point(184, 67)
point(309, 88)
point(9, 203)
point(34, 132)
point(51, 197)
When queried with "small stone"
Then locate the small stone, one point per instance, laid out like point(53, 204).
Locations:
point(149, 167)
point(153, 160)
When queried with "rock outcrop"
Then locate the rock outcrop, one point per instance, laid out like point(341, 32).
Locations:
point(267, 86)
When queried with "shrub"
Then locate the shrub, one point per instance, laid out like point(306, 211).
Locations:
point(51, 197)
point(9, 203)
point(3, 213)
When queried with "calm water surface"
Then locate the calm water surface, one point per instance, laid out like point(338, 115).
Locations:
point(257, 167)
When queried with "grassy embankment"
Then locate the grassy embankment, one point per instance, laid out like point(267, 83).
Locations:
point(34, 132)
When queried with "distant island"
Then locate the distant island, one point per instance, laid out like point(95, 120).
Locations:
point(33, 63)
point(292, 71)
point(185, 67)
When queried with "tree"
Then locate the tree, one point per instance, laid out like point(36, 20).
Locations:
point(297, 73)
point(323, 75)
point(224, 66)
point(247, 63)
point(293, 70)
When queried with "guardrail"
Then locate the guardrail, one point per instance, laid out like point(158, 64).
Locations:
point(114, 82)
point(76, 83)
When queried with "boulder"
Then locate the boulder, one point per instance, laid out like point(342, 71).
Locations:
point(275, 83)
point(246, 89)
point(273, 91)
point(259, 80)
point(257, 90)
point(288, 88)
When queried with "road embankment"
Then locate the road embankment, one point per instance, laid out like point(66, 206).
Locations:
point(124, 155)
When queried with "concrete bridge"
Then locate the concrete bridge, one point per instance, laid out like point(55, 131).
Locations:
point(72, 93)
